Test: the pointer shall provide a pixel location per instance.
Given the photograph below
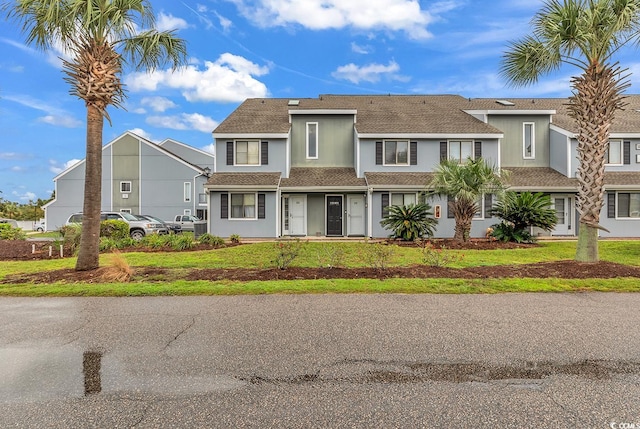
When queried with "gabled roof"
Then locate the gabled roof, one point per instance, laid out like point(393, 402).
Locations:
point(376, 114)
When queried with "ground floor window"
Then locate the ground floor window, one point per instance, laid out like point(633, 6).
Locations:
point(243, 206)
point(403, 199)
point(629, 204)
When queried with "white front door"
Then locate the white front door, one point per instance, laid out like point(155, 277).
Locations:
point(355, 214)
point(297, 215)
point(563, 205)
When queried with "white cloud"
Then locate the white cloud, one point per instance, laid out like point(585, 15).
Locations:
point(360, 49)
point(225, 23)
point(17, 169)
point(142, 133)
point(185, 121)
point(10, 155)
point(369, 73)
point(56, 168)
point(61, 121)
point(386, 15)
point(158, 104)
point(169, 22)
point(229, 79)
point(25, 196)
point(210, 148)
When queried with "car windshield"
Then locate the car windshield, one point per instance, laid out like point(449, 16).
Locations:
point(153, 218)
point(128, 216)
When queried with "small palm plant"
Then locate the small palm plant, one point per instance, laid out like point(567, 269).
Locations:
point(410, 222)
point(519, 212)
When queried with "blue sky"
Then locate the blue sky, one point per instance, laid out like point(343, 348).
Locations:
point(240, 49)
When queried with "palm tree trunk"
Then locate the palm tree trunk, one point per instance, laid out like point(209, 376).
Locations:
point(597, 96)
point(89, 253)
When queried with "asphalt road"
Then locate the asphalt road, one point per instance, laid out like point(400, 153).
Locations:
point(322, 361)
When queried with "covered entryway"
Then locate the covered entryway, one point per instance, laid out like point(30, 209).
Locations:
point(355, 215)
point(334, 215)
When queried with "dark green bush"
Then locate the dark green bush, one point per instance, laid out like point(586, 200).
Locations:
point(505, 231)
point(410, 222)
point(212, 240)
point(116, 229)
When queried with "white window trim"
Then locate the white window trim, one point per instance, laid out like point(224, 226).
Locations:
point(189, 198)
point(624, 218)
point(230, 211)
point(235, 153)
point(384, 153)
point(480, 209)
point(186, 212)
point(461, 161)
point(533, 140)
point(130, 187)
point(621, 153)
point(391, 194)
point(317, 139)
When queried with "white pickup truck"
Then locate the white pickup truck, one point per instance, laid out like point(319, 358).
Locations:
point(187, 221)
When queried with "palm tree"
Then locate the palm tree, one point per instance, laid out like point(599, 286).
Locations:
point(464, 184)
point(101, 36)
point(585, 34)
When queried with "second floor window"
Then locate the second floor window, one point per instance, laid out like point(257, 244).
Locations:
point(396, 152)
point(312, 140)
point(187, 192)
point(528, 140)
point(460, 150)
point(125, 187)
point(247, 153)
point(614, 153)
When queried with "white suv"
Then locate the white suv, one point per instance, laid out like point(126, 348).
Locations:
point(137, 228)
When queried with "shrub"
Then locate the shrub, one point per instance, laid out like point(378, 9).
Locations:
point(116, 229)
point(331, 256)
point(410, 222)
point(154, 241)
point(234, 238)
point(181, 241)
point(118, 269)
point(438, 257)
point(524, 210)
point(212, 240)
point(285, 252)
point(8, 232)
point(71, 236)
point(506, 231)
point(378, 255)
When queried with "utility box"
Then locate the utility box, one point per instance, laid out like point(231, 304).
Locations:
point(199, 228)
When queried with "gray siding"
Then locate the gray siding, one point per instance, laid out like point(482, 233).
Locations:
point(189, 154)
point(335, 141)
point(558, 150)
point(445, 227)
point(512, 142)
point(254, 228)
point(315, 214)
point(125, 154)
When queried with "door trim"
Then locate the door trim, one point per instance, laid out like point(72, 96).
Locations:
point(304, 213)
point(326, 215)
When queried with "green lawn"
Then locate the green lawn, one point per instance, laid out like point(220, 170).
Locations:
point(314, 254)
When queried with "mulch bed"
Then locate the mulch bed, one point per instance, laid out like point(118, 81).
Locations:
point(29, 250)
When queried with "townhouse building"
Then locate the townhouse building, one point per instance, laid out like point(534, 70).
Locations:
point(331, 166)
point(139, 177)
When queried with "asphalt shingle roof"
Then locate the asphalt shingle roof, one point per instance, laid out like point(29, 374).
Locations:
point(244, 179)
point(539, 178)
point(320, 176)
point(398, 179)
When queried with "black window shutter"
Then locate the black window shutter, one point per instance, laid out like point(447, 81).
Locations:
point(626, 152)
point(477, 150)
point(611, 204)
point(488, 200)
point(224, 206)
point(413, 153)
point(229, 153)
point(443, 151)
point(261, 210)
point(264, 153)
point(378, 153)
point(450, 201)
point(385, 204)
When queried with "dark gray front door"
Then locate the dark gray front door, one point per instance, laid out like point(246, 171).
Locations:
point(334, 215)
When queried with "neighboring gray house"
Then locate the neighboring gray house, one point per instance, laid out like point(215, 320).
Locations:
point(139, 177)
point(331, 166)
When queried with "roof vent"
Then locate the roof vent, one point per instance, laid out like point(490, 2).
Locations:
point(505, 102)
point(294, 102)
